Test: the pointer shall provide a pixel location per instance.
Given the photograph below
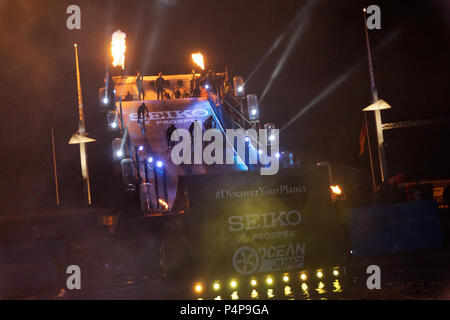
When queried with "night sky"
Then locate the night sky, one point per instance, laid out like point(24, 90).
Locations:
point(38, 88)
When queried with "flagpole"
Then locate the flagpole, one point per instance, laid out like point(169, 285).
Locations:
point(82, 133)
point(374, 91)
point(369, 149)
point(55, 169)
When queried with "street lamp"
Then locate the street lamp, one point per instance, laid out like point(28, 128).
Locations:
point(376, 106)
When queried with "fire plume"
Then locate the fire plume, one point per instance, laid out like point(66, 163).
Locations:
point(198, 60)
point(118, 48)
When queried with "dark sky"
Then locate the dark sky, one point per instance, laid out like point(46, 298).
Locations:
point(411, 58)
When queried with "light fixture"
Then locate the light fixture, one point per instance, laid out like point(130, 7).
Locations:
point(378, 105)
point(198, 288)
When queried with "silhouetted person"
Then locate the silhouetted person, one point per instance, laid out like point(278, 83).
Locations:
point(191, 130)
point(176, 93)
point(166, 95)
point(128, 97)
point(193, 84)
point(169, 133)
point(142, 112)
point(186, 94)
point(140, 85)
point(210, 123)
point(160, 86)
point(195, 126)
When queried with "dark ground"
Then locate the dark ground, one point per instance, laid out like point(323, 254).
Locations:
point(407, 276)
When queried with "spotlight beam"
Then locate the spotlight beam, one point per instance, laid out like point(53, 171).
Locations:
point(276, 43)
point(284, 58)
point(336, 83)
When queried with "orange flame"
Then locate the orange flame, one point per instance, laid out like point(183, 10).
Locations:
point(336, 190)
point(163, 204)
point(118, 48)
point(198, 60)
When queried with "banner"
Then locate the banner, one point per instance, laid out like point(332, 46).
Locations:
point(245, 224)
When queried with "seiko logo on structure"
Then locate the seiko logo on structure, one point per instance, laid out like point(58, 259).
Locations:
point(264, 220)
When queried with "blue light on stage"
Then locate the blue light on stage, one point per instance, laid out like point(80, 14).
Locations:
point(159, 164)
point(150, 160)
point(141, 148)
point(105, 100)
point(207, 86)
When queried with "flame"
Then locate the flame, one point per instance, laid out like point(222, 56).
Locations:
point(163, 204)
point(198, 60)
point(118, 48)
point(336, 190)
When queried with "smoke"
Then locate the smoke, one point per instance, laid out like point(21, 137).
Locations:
point(29, 72)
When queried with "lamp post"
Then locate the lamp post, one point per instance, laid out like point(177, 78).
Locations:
point(376, 106)
point(81, 137)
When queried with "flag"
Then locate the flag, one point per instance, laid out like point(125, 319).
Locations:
point(362, 140)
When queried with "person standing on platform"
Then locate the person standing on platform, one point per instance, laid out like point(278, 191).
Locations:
point(193, 84)
point(160, 87)
point(140, 86)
